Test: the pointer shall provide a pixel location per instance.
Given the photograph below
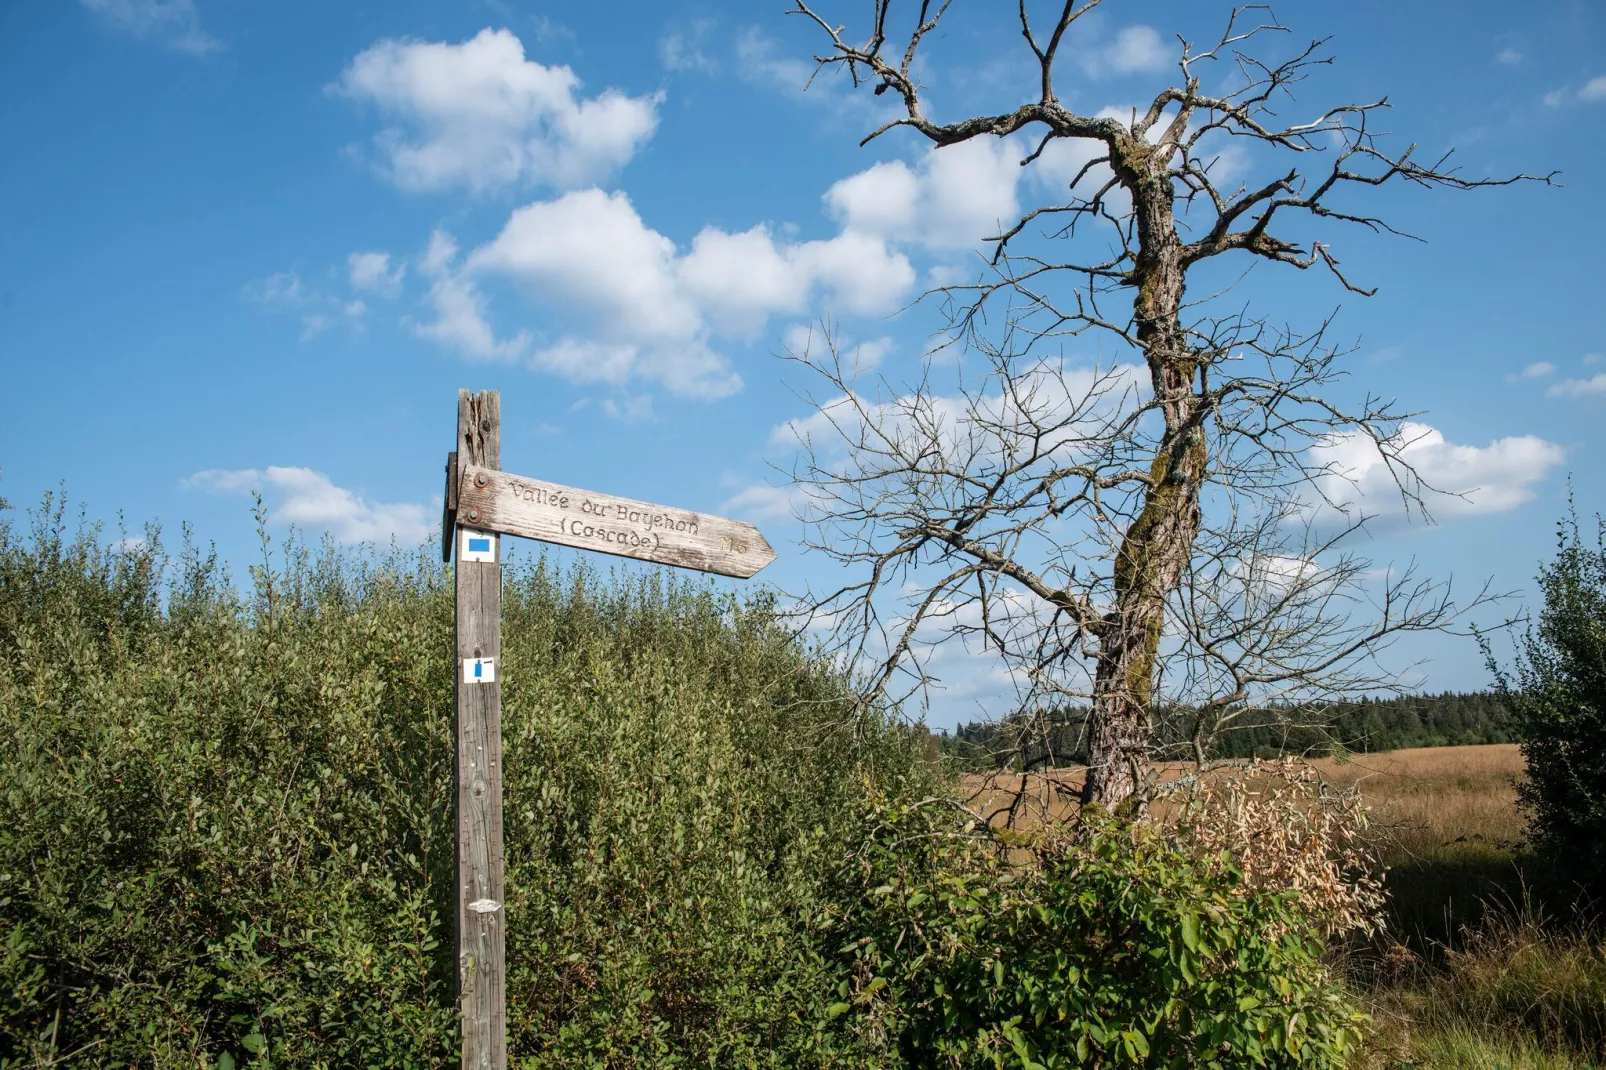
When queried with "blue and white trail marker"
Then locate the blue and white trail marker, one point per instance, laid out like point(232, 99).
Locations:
point(479, 670)
point(476, 546)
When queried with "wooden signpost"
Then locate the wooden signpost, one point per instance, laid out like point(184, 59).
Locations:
point(483, 503)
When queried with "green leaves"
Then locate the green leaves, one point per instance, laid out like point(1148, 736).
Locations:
point(1559, 699)
point(226, 821)
point(1189, 931)
point(1111, 946)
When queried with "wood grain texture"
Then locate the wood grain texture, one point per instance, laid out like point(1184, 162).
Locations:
point(535, 509)
point(481, 915)
point(479, 428)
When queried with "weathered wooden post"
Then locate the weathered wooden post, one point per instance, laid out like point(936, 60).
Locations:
point(481, 919)
point(481, 504)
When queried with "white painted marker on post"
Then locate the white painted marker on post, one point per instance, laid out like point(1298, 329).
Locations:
point(476, 546)
point(479, 670)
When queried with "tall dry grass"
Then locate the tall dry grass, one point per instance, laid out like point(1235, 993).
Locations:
point(1431, 799)
point(1485, 976)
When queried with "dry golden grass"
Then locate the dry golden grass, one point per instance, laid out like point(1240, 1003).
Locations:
point(1422, 800)
point(1433, 798)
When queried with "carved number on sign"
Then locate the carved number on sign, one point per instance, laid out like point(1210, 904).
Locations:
point(732, 546)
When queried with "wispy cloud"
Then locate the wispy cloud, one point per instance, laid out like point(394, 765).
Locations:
point(630, 409)
point(1593, 387)
point(1591, 92)
point(684, 47)
point(284, 291)
point(373, 272)
point(174, 24)
point(1539, 369)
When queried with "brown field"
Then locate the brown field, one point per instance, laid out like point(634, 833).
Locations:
point(1422, 801)
point(1434, 798)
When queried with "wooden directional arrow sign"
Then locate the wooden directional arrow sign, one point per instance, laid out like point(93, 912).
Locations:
point(493, 500)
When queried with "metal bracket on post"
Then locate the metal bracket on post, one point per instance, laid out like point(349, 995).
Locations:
point(449, 508)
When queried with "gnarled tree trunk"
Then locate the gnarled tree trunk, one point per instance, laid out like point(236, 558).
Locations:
point(1158, 544)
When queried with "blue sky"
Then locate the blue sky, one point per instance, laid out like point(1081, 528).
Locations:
point(262, 245)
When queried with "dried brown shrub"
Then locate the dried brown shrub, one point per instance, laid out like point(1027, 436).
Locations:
point(1288, 830)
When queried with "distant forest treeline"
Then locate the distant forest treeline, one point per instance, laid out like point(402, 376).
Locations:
point(1359, 726)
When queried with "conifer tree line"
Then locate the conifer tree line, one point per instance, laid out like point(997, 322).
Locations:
point(1357, 726)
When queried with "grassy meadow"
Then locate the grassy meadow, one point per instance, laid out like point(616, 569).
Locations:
point(1487, 963)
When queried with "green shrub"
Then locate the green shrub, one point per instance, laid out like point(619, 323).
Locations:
point(226, 840)
point(1559, 703)
point(1107, 946)
point(226, 832)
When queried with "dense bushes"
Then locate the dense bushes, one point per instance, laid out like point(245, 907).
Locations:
point(1103, 945)
point(225, 839)
point(1559, 705)
point(225, 825)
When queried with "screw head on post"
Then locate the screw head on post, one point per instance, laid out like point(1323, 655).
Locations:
point(479, 480)
point(473, 514)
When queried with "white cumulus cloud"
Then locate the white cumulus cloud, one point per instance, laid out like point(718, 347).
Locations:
point(1475, 480)
point(482, 116)
point(652, 309)
point(962, 428)
point(953, 198)
point(590, 250)
point(310, 500)
point(1133, 50)
point(460, 308)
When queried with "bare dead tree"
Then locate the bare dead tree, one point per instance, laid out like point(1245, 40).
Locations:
point(1150, 532)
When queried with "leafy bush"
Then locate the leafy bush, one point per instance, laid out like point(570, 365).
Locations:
point(1109, 945)
point(226, 840)
point(1559, 703)
point(226, 833)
